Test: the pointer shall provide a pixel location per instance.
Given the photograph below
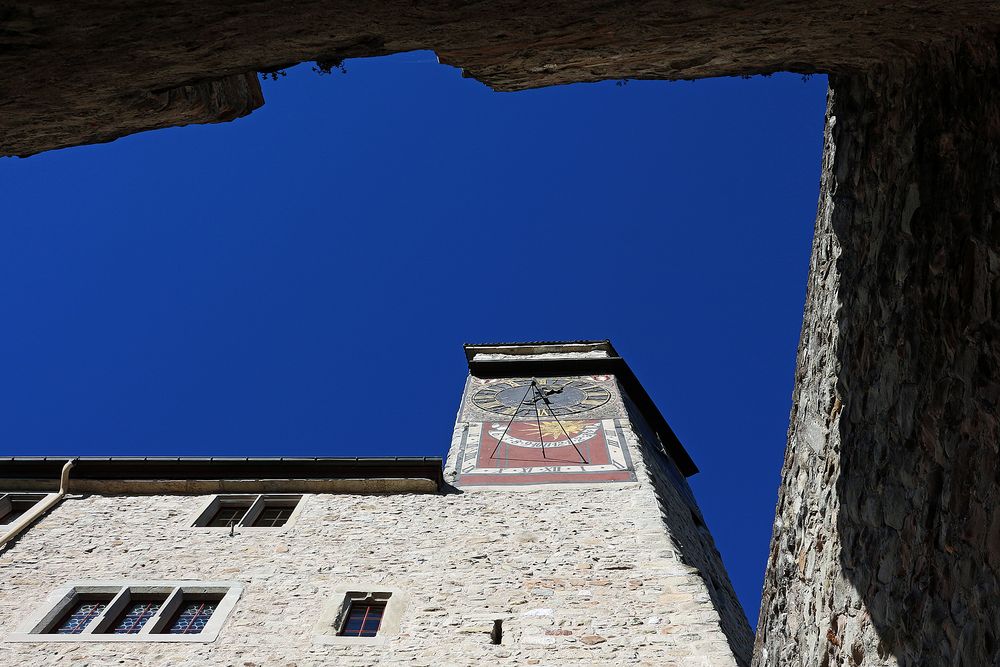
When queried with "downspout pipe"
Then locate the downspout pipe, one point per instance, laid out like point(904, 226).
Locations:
point(40, 508)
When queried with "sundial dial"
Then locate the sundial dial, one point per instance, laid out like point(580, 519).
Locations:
point(542, 430)
point(551, 397)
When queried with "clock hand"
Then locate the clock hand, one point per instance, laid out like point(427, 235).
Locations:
point(544, 396)
point(512, 418)
point(549, 392)
point(538, 419)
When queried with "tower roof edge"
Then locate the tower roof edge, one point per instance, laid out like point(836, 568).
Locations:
point(590, 348)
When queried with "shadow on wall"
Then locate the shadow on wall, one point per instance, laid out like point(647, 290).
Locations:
point(886, 546)
point(919, 355)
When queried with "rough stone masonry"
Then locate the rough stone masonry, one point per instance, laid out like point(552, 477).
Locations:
point(886, 545)
point(886, 538)
point(95, 70)
point(620, 572)
point(577, 577)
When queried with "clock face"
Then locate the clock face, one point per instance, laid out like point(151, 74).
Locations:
point(524, 431)
point(552, 397)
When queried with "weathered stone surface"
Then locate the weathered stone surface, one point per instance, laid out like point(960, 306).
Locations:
point(609, 574)
point(887, 539)
point(135, 110)
point(885, 542)
point(88, 71)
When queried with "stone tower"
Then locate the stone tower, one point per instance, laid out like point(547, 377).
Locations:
point(560, 530)
point(569, 425)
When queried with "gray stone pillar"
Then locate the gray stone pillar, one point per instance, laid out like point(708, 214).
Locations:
point(886, 544)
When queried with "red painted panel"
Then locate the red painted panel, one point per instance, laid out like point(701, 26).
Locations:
point(511, 453)
point(526, 444)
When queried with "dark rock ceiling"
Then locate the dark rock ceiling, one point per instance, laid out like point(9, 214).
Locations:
point(84, 71)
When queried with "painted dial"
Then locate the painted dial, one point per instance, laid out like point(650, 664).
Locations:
point(565, 396)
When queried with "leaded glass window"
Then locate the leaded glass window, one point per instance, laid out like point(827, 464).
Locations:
point(144, 611)
point(80, 615)
point(135, 615)
point(363, 619)
point(191, 618)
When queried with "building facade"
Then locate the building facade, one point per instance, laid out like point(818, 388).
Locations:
point(560, 530)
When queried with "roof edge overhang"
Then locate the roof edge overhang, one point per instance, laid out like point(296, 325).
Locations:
point(540, 347)
point(569, 365)
point(150, 474)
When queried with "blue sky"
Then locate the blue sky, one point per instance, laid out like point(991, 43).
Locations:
point(300, 281)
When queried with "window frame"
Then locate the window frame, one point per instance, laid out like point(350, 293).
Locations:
point(130, 595)
point(39, 627)
point(359, 599)
point(258, 503)
point(334, 615)
point(69, 607)
point(6, 498)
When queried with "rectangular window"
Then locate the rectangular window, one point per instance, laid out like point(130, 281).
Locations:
point(80, 615)
point(137, 611)
point(363, 619)
point(191, 616)
point(273, 516)
point(229, 515)
point(14, 505)
point(359, 613)
point(135, 615)
point(262, 511)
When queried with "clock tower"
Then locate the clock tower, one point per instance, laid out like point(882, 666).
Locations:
point(556, 413)
point(567, 424)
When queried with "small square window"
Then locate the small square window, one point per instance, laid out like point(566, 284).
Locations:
point(363, 619)
point(263, 511)
point(361, 613)
point(229, 515)
point(273, 515)
point(14, 505)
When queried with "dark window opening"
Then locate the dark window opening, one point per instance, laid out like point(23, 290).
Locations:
point(363, 619)
point(228, 515)
point(246, 511)
point(272, 517)
point(13, 507)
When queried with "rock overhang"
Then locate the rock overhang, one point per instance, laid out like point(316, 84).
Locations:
point(90, 72)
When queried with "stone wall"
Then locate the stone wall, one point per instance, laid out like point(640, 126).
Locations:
point(579, 574)
point(886, 545)
point(686, 527)
point(89, 70)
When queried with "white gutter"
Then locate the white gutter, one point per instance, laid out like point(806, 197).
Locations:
point(40, 508)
